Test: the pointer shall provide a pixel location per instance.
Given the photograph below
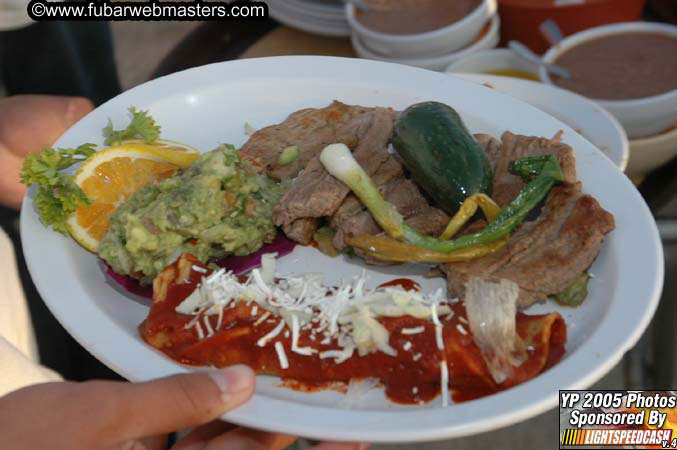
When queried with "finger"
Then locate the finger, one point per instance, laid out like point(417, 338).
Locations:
point(135, 410)
point(31, 122)
point(246, 438)
point(199, 437)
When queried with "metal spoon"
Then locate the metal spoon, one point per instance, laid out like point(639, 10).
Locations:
point(524, 52)
point(551, 32)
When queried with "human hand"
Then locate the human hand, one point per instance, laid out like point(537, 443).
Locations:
point(107, 415)
point(29, 123)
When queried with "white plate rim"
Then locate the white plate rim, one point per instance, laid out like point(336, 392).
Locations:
point(330, 423)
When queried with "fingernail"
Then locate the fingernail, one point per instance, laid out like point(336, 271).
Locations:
point(233, 381)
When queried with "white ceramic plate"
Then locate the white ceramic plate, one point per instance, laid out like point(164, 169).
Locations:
point(209, 105)
point(591, 120)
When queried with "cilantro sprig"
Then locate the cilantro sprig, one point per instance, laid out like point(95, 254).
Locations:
point(58, 196)
point(142, 126)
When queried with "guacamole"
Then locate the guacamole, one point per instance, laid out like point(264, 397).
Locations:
point(215, 207)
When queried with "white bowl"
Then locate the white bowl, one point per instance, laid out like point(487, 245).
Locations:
point(442, 41)
point(488, 40)
point(651, 152)
point(489, 61)
point(640, 117)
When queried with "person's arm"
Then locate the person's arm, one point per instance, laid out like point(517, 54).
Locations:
point(29, 123)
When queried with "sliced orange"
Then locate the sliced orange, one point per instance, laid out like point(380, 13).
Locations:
point(171, 151)
point(110, 176)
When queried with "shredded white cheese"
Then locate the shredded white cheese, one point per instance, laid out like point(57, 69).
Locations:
point(261, 319)
point(460, 329)
point(407, 346)
point(199, 269)
point(281, 355)
point(415, 330)
point(307, 351)
point(208, 326)
point(338, 355)
point(219, 321)
point(272, 334)
point(438, 327)
point(191, 303)
point(200, 333)
point(444, 382)
point(260, 283)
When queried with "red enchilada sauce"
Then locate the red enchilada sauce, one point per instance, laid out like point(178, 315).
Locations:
point(621, 66)
point(410, 377)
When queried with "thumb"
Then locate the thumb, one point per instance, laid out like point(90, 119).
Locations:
point(177, 402)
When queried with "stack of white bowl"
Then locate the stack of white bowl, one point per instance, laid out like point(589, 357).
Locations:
point(433, 50)
point(325, 17)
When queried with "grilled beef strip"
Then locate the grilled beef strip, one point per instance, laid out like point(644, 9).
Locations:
point(546, 255)
point(315, 194)
point(310, 130)
point(507, 186)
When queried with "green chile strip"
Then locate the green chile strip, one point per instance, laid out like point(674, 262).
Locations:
point(548, 173)
point(541, 173)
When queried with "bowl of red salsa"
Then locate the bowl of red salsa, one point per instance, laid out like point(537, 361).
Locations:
point(629, 68)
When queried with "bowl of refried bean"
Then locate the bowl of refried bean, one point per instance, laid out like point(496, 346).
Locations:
point(629, 68)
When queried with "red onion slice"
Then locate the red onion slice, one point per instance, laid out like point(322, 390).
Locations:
point(237, 264)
